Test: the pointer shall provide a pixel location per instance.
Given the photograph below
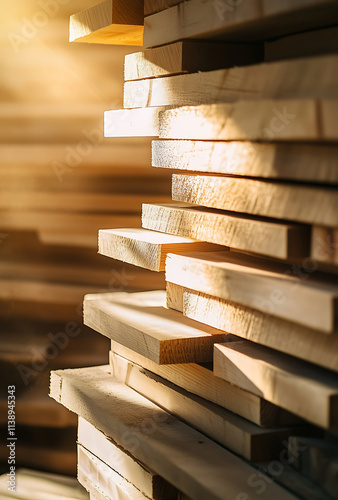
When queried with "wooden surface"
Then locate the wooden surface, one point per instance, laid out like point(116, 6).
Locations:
point(147, 249)
point(112, 21)
point(235, 433)
point(310, 205)
point(141, 322)
point(299, 162)
point(265, 120)
point(264, 329)
point(263, 81)
point(238, 21)
point(324, 245)
point(189, 57)
point(309, 392)
point(262, 236)
point(152, 6)
point(103, 447)
point(132, 122)
point(173, 449)
point(257, 284)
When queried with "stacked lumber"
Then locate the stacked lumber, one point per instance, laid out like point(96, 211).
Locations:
point(225, 385)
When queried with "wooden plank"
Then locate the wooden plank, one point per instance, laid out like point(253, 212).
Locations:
point(262, 81)
point(307, 44)
point(265, 120)
point(141, 322)
point(232, 431)
point(200, 380)
point(142, 122)
point(110, 22)
point(307, 391)
point(310, 205)
point(324, 245)
point(267, 237)
point(265, 329)
point(317, 460)
point(172, 449)
point(94, 475)
point(103, 447)
point(238, 21)
point(175, 296)
point(152, 6)
point(147, 249)
point(260, 285)
point(189, 56)
point(301, 162)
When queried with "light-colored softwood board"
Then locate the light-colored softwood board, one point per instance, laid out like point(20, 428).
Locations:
point(272, 238)
point(296, 79)
point(76, 202)
point(103, 447)
point(174, 296)
point(139, 122)
point(306, 204)
point(95, 475)
point(111, 22)
point(147, 249)
point(153, 6)
point(236, 22)
point(228, 429)
point(299, 162)
point(265, 329)
point(172, 450)
point(52, 486)
point(317, 460)
point(303, 389)
point(200, 380)
point(141, 322)
point(264, 120)
point(324, 245)
point(189, 56)
point(308, 43)
point(258, 284)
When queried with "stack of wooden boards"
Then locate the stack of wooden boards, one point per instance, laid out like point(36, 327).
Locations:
point(59, 183)
point(225, 386)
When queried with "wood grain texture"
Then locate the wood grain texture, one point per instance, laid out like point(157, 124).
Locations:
point(152, 6)
point(307, 204)
point(307, 391)
point(299, 162)
point(260, 285)
point(189, 57)
point(147, 249)
point(173, 449)
point(296, 79)
point(132, 122)
point(141, 322)
point(265, 329)
point(200, 380)
point(306, 44)
point(232, 431)
point(103, 447)
point(112, 21)
point(256, 20)
point(324, 245)
point(262, 236)
point(265, 120)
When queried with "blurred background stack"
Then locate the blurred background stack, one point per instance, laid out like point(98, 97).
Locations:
point(59, 183)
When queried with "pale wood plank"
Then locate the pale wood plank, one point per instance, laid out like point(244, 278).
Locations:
point(112, 21)
point(324, 245)
point(310, 205)
point(173, 449)
point(301, 162)
point(257, 284)
point(175, 295)
point(103, 447)
point(267, 237)
point(307, 391)
point(232, 431)
point(142, 122)
point(189, 57)
point(296, 79)
point(265, 120)
point(152, 6)
point(240, 21)
point(147, 249)
point(141, 322)
point(265, 329)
